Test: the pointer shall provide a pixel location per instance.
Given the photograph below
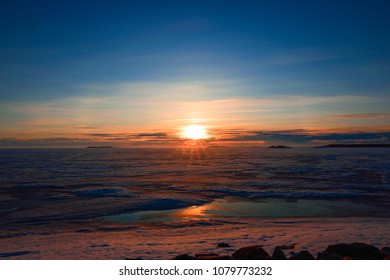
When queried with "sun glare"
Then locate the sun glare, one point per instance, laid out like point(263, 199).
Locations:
point(194, 132)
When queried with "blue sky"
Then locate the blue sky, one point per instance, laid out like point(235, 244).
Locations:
point(64, 64)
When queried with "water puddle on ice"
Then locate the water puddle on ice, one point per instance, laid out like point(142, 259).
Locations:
point(251, 209)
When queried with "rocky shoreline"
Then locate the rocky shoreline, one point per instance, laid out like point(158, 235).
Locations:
point(341, 251)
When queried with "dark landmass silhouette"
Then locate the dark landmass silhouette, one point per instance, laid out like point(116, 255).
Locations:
point(99, 147)
point(279, 147)
point(355, 146)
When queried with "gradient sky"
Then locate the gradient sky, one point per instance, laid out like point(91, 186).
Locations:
point(131, 72)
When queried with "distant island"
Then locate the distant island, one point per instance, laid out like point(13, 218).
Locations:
point(355, 146)
point(279, 147)
point(99, 147)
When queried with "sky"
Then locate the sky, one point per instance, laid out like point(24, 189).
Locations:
point(134, 73)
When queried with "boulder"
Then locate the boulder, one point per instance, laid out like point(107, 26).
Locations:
point(278, 254)
point(366, 252)
point(214, 258)
point(342, 249)
point(254, 252)
point(386, 251)
point(328, 256)
point(303, 255)
point(356, 251)
point(183, 257)
point(206, 255)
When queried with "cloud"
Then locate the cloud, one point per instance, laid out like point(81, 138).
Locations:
point(300, 136)
point(362, 116)
point(45, 142)
point(101, 134)
point(154, 134)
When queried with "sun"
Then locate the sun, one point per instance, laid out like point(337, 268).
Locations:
point(194, 132)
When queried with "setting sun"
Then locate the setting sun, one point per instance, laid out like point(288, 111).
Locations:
point(194, 132)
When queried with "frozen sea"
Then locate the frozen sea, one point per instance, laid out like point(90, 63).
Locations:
point(115, 203)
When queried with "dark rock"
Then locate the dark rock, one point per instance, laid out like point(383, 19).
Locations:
point(223, 245)
point(212, 257)
point(323, 256)
point(365, 251)
point(251, 253)
point(386, 251)
point(278, 254)
point(342, 249)
point(357, 251)
point(328, 256)
point(223, 258)
point(206, 255)
point(303, 255)
point(183, 257)
point(336, 257)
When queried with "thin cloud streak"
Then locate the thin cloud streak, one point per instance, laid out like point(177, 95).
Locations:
point(362, 116)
